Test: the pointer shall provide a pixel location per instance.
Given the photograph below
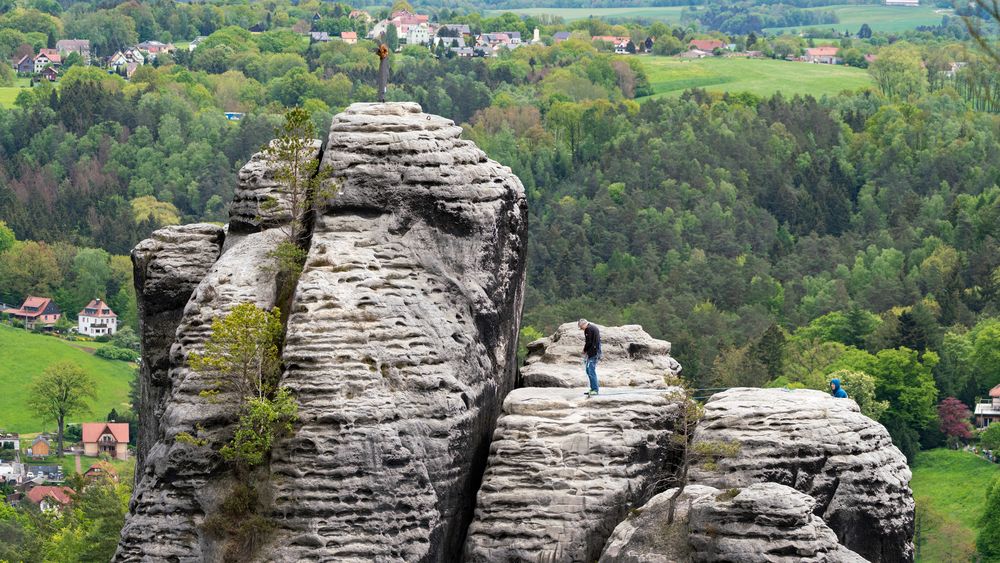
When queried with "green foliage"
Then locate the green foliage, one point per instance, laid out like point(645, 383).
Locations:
point(861, 387)
point(116, 353)
point(988, 539)
point(60, 392)
point(126, 338)
point(242, 351)
point(990, 437)
point(898, 72)
point(261, 421)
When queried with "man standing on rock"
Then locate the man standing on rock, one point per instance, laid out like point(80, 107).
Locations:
point(591, 352)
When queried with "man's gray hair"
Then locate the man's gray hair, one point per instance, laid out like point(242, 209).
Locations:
point(582, 323)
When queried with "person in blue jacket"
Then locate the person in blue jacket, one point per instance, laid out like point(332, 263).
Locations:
point(836, 390)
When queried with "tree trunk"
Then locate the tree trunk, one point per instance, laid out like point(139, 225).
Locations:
point(59, 437)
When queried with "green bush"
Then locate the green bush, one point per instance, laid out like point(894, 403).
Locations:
point(261, 420)
point(116, 353)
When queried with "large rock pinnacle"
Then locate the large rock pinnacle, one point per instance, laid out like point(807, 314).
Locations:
point(400, 346)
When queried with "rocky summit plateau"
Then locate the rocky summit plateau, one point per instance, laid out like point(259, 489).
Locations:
point(417, 438)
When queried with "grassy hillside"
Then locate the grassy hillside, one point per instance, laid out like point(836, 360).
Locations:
point(24, 356)
point(670, 14)
point(879, 18)
point(671, 76)
point(950, 488)
point(9, 93)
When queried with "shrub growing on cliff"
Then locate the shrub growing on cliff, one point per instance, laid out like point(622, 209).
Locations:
point(261, 421)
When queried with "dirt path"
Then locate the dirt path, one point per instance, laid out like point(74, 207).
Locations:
point(79, 468)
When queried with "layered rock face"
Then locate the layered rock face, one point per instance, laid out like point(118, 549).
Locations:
point(631, 358)
point(762, 523)
point(168, 267)
point(565, 469)
point(821, 446)
point(257, 188)
point(401, 341)
point(400, 346)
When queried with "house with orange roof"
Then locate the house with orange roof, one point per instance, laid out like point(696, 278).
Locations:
point(107, 438)
point(39, 312)
point(50, 497)
point(349, 37)
point(97, 319)
point(823, 55)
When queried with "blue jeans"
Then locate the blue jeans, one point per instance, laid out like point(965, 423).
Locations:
point(591, 366)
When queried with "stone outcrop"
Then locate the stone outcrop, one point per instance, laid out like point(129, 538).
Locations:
point(401, 341)
point(762, 523)
point(631, 358)
point(251, 209)
point(168, 267)
point(823, 447)
point(564, 470)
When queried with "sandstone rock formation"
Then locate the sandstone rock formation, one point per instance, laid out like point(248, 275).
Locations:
point(823, 447)
point(564, 470)
point(762, 523)
point(631, 358)
point(400, 346)
point(167, 268)
point(257, 186)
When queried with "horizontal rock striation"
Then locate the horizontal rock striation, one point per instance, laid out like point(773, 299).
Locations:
point(762, 523)
point(401, 342)
point(167, 268)
point(821, 446)
point(251, 209)
point(631, 358)
point(564, 470)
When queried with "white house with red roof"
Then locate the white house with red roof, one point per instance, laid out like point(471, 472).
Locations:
point(823, 55)
point(108, 438)
point(47, 57)
point(50, 497)
point(707, 45)
point(97, 319)
point(39, 312)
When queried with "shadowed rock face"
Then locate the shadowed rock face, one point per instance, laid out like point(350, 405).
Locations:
point(631, 358)
point(762, 523)
point(565, 469)
point(168, 267)
point(824, 447)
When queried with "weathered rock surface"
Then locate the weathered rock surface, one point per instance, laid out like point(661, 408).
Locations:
point(168, 267)
point(179, 482)
point(762, 523)
point(823, 447)
point(401, 342)
point(258, 185)
point(564, 470)
point(631, 358)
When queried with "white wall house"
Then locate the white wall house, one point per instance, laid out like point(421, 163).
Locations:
point(97, 319)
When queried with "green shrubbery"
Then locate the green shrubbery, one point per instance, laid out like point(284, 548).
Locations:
point(116, 353)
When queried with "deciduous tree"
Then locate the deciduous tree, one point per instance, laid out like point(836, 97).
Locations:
point(60, 392)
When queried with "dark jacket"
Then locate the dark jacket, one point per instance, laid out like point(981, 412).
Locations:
point(837, 391)
point(591, 341)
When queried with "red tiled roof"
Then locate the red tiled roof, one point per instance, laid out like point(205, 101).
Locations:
point(59, 494)
point(99, 308)
point(348, 35)
point(93, 430)
point(610, 39)
point(38, 303)
point(822, 52)
point(995, 392)
point(706, 44)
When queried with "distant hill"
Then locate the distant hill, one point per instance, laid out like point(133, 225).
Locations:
point(24, 356)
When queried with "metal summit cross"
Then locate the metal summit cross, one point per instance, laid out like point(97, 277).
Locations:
point(383, 71)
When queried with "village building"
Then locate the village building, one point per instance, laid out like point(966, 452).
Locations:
point(46, 57)
point(40, 446)
point(318, 37)
point(25, 65)
point(349, 37)
point(79, 46)
point(40, 312)
point(101, 470)
point(707, 45)
point(50, 73)
point(909, 3)
point(105, 438)
point(48, 497)
point(97, 319)
point(10, 441)
point(454, 30)
point(695, 54)
point(988, 411)
point(195, 42)
point(419, 34)
point(823, 55)
point(155, 48)
point(560, 36)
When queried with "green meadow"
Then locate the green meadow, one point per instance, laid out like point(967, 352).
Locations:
point(24, 356)
point(950, 489)
point(670, 76)
point(879, 18)
point(9, 93)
